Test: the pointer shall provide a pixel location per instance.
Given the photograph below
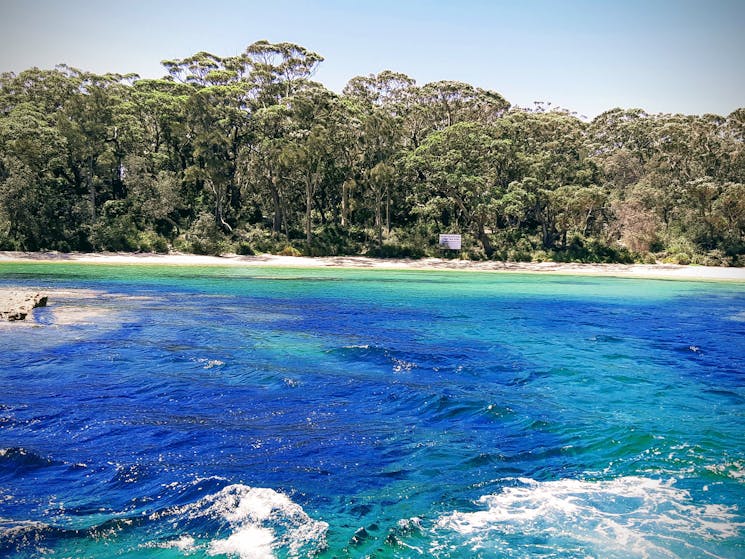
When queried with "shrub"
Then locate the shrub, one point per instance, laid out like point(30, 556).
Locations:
point(204, 237)
point(678, 258)
point(332, 240)
point(399, 251)
point(114, 232)
point(150, 241)
point(541, 256)
point(244, 249)
point(290, 250)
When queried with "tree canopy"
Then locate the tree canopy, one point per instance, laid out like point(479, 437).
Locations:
point(248, 154)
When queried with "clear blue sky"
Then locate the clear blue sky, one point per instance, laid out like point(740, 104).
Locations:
point(587, 56)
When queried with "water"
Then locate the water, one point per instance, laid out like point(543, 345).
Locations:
point(256, 413)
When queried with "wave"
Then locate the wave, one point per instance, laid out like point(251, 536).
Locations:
point(237, 521)
point(259, 523)
point(733, 470)
point(625, 517)
point(376, 355)
point(16, 460)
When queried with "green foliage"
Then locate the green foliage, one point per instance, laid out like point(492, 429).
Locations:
point(150, 241)
point(204, 237)
point(115, 230)
point(246, 154)
point(290, 250)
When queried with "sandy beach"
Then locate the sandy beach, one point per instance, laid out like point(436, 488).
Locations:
point(653, 271)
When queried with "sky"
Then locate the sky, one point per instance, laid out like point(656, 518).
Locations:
point(587, 56)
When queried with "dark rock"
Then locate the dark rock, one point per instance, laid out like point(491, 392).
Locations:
point(360, 536)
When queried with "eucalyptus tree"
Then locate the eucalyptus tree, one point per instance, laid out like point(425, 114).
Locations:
point(262, 164)
point(309, 150)
point(96, 142)
point(735, 132)
point(279, 69)
point(33, 200)
point(216, 119)
point(383, 102)
point(81, 108)
point(450, 102)
point(388, 89)
point(467, 165)
point(32, 155)
point(154, 116)
point(729, 211)
point(350, 153)
point(220, 128)
point(554, 158)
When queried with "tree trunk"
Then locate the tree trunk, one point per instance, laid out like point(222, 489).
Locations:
point(220, 195)
point(379, 220)
point(308, 211)
point(277, 203)
point(91, 188)
point(547, 235)
point(485, 241)
point(345, 188)
point(388, 211)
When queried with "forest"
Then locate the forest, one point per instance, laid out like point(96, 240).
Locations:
point(247, 154)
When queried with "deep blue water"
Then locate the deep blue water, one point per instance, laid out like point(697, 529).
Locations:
point(195, 412)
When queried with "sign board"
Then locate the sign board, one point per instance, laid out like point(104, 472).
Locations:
point(451, 242)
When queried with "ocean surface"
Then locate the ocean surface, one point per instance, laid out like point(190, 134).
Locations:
point(167, 412)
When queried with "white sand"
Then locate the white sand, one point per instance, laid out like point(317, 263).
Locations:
point(656, 271)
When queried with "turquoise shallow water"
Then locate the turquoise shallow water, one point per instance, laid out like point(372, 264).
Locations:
point(260, 413)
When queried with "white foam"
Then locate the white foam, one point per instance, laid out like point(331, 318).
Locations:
point(624, 517)
point(185, 544)
point(734, 470)
point(262, 522)
point(250, 542)
point(208, 363)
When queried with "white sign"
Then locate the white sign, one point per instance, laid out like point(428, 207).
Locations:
point(451, 242)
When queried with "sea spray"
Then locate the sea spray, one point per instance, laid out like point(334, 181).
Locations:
point(624, 517)
point(260, 521)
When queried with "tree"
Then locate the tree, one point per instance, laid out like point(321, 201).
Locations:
point(280, 69)
point(554, 159)
point(450, 102)
point(32, 197)
point(470, 166)
point(247, 148)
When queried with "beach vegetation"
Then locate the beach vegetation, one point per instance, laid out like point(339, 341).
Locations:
point(248, 154)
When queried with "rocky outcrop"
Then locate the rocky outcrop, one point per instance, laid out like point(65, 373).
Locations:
point(15, 305)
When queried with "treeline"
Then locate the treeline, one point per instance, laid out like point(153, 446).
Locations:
point(248, 154)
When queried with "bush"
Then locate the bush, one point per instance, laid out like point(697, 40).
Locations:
point(150, 241)
point(679, 258)
point(115, 234)
point(594, 251)
point(399, 251)
point(333, 240)
point(711, 258)
point(8, 243)
point(541, 256)
point(256, 240)
point(290, 250)
point(244, 249)
point(519, 250)
point(203, 237)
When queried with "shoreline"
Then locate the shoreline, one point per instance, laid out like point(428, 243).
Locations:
point(649, 271)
